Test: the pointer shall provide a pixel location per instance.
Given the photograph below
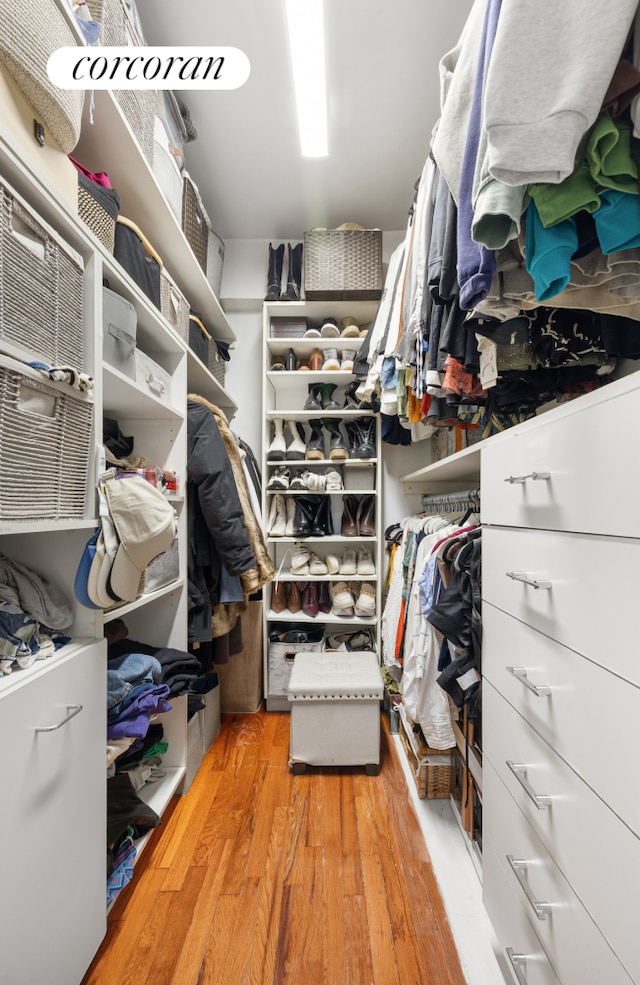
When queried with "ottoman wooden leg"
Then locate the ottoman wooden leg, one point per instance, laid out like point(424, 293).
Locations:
point(372, 769)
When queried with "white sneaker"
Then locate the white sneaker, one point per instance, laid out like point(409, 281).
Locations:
point(317, 565)
point(333, 480)
point(348, 563)
point(364, 562)
point(332, 563)
point(314, 481)
point(300, 559)
point(330, 360)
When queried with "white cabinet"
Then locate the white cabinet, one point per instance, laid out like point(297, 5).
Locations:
point(285, 394)
point(52, 853)
point(561, 685)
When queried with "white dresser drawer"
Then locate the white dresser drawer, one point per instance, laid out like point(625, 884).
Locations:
point(594, 590)
point(591, 847)
point(571, 708)
point(523, 950)
point(574, 945)
point(589, 464)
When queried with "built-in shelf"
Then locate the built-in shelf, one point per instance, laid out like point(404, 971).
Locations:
point(109, 145)
point(121, 391)
point(316, 311)
point(314, 415)
point(464, 466)
point(122, 610)
point(200, 380)
point(18, 678)
point(323, 617)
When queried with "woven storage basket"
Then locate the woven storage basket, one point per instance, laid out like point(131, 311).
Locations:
point(45, 446)
point(29, 37)
point(343, 265)
point(174, 306)
point(217, 365)
point(138, 105)
point(98, 207)
point(430, 768)
point(195, 221)
point(40, 286)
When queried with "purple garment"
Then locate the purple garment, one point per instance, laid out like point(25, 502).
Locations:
point(476, 264)
point(135, 718)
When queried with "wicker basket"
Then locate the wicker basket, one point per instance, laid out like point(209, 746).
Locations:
point(174, 306)
point(343, 265)
point(138, 105)
point(45, 446)
point(40, 286)
point(216, 364)
point(98, 207)
point(195, 221)
point(431, 768)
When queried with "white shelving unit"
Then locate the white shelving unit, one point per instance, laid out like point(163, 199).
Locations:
point(55, 791)
point(285, 392)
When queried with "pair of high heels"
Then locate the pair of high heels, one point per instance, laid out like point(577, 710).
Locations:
point(358, 516)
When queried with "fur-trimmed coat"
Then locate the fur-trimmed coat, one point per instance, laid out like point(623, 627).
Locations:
point(223, 528)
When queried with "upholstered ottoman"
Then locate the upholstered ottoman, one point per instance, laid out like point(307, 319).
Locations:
point(335, 710)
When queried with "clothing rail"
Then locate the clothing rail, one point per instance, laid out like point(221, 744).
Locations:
point(452, 502)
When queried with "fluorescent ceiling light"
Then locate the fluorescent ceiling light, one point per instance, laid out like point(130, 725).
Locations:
point(305, 22)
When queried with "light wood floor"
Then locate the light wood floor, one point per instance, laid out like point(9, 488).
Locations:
point(261, 877)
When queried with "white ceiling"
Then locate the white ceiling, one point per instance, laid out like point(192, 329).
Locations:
point(382, 67)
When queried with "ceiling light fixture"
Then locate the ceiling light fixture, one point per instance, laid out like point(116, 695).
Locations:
point(305, 22)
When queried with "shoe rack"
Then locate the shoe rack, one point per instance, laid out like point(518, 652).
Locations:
point(324, 509)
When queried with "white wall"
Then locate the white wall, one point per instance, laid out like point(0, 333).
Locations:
point(244, 284)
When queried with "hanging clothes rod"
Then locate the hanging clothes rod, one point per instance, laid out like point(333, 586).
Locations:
point(452, 502)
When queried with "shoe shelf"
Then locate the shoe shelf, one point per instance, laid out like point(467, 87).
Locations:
point(308, 462)
point(320, 492)
point(324, 539)
point(322, 617)
point(348, 430)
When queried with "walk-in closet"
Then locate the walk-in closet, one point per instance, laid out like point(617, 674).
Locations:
point(319, 342)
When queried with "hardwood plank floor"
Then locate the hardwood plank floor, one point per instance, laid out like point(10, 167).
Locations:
point(259, 877)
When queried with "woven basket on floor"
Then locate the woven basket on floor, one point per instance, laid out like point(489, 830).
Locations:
point(430, 768)
point(343, 265)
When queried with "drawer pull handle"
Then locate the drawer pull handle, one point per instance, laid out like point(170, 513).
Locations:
point(519, 770)
point(535, 476)
point(72, 711)
point(519, 866)
point(520, 674)
point(515, 960)
point(524, 577)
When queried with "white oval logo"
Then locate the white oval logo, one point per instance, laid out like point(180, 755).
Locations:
point(148, 68)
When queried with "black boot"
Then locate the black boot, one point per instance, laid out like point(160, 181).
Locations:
point(274, 276)
point(314, 400)
point(367, 435)
point(305, 515)
point(315, 444)
point(353, 432)
point(294, 273)
point(338, 450)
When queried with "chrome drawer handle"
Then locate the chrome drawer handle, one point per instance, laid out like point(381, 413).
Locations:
point(535, 476)
point(519, 866)
point(519, 770)
point(520, 674)
point(72, 710)
point(515, 960)
point(524, 577)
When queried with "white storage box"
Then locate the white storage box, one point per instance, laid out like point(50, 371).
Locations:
point(359, 475)
point(119, 330)
point(211, 715)
point(335, 710)
point(166, 170)
point(152, 377)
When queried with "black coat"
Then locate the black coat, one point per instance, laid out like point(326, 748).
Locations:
point(216, 527)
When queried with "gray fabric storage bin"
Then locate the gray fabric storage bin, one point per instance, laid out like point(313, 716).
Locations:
point(119, 331)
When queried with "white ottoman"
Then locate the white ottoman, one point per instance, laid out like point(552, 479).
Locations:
point(335, 710)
